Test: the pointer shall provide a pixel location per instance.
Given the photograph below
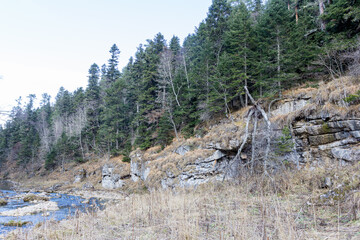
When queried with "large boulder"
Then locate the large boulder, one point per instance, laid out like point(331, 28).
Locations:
point(110, 179)
point(139, 167)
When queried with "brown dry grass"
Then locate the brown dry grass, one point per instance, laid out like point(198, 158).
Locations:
point(326, 100)
point(336, 90)
point(65, 176)
point(283, 207)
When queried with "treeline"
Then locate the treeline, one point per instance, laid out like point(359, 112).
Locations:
point(168, 88)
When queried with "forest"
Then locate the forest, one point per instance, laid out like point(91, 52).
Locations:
point(169, 88)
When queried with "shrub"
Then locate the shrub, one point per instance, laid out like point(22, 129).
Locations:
point(285, 144)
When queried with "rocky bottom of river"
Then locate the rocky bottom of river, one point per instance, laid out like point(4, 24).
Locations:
point(26, 209)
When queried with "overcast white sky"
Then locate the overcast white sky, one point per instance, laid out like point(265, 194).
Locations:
point(46, 44)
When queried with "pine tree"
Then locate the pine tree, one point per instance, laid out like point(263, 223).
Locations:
point(112, 72)
point(93, 102)
point(239, 61)
point(275, 27)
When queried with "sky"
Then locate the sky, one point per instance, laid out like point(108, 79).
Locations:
point(46, 44)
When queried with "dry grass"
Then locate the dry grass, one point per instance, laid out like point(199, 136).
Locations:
point(335, 91)
point(65, 176)
point(326, 100)
point(283, 207)
point(300, 92)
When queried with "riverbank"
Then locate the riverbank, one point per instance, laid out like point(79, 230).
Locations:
point(291, 205)
point(286, 206)
point(28, 209)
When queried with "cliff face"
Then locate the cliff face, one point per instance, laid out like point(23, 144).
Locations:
point(321, 127)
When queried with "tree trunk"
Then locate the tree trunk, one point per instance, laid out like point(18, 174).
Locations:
point(173, 123)
point(245, 71)
point(321, 12)
point(173, 87)
point(237, 156)
point(278, 57)
point(164, 97)
point(81, 147)
point(207, 83)
point(268, 123)
point(186, 72)
point(116, 139)
point(253, 143)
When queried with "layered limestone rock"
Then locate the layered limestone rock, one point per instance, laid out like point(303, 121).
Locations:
point(113, 175)
point(319, 140)
point(180, 169)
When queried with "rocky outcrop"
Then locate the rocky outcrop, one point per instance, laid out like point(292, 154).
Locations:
point(110, 179)
point(216, 167)
point(182, 150)
point(113, 175)
point(290, 105)
point(320, 139)
point(182, 168)
point(80, 175)
point(139, 167)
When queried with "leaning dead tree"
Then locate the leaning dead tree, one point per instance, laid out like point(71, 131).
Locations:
point(255, 112)
point(261, 111)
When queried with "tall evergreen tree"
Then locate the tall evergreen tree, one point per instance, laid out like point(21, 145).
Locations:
point(112, 71)
point(93, 102)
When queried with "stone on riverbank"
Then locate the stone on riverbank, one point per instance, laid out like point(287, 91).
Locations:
point(35, 198)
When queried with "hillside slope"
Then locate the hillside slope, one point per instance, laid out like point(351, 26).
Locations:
point(309, 125)
point(313, 128)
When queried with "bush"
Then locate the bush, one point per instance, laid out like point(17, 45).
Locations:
point(126, 159)
point(353, 98)
point(285, 143)
point(50, 160)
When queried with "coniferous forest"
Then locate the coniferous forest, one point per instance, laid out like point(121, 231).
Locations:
point(169, 88)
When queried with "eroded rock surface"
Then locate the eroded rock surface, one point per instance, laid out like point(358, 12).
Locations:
point(80, 175)
point(332, 139)
point(139, 167)
point(113, 176)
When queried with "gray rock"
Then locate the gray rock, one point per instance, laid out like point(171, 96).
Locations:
point(54, 188)
point(203, 170)
point(139, 170)
point(289, 106)
point(87, 186)
point(328, 182)
point(318, 140)
point(109, 179)
point(80, 175)
point(112, 182)
point(182, 150)
point(347, 154)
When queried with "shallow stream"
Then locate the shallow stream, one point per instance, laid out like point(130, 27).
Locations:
point(68, 206)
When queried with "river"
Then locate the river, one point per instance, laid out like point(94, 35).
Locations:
point(68, 206)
